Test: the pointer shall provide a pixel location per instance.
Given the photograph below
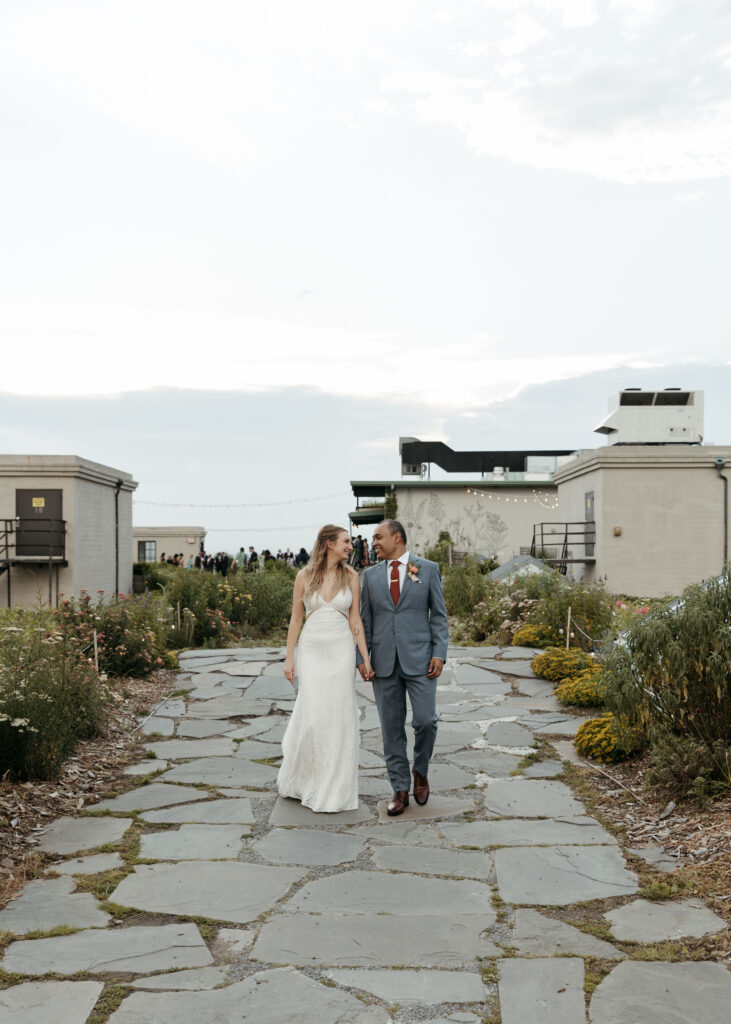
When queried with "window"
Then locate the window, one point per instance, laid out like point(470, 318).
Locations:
point(146, 551)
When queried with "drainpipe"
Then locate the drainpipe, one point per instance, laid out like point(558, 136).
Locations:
point(720, 462)
point(116, 539)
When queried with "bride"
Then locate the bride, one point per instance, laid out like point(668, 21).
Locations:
point(320, 745)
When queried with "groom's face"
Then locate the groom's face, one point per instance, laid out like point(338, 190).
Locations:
point(385, 542)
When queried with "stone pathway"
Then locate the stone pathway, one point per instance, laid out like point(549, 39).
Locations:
point(200, 896)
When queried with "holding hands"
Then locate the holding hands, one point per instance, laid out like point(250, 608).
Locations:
point(366, 670)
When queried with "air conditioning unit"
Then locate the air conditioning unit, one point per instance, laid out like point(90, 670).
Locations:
point(672, 416)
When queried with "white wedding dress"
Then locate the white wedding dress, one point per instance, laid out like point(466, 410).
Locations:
point(321, 742)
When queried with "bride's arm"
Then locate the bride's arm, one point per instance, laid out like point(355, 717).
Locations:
point(295, 625)
point(356, 625)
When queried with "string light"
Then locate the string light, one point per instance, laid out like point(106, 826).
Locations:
point(261, 529)
point(259, 504)
point(537, 497)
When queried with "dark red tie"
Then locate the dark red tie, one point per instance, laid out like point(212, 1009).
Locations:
point(395, 582)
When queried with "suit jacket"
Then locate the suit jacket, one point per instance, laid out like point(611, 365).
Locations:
point(416, 628)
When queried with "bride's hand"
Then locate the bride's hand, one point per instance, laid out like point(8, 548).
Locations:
point(369, 673)
point(289, 670)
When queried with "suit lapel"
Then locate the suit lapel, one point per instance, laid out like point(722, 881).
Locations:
point(407, 582)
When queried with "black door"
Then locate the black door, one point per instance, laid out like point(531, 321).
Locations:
point(40, 526)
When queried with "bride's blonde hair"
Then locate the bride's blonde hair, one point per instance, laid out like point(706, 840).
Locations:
point(315, 569)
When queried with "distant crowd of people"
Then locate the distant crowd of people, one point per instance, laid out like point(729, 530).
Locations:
point(244, 561)
point(361, 557)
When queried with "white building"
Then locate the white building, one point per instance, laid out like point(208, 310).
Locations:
point(150, 543)
point(65, 526)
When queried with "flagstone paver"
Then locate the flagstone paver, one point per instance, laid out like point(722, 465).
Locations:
point(308, 846)
point(176, 750)
point(559, 875)
point(49, 1002)
point(158, 727)
point(400, 830)
point(291, 812)
point(193, 842)
point(643, 921)
point(270, 997)
point(49, 903)
point(146, 767)
point(391, 913)
point(228, 707)
point(658, 993)
point(415, 986)
point(222, 771)
point(157, 794)
point(69, 835)
point(373, 940)
point(201, 728)
point(211, 812)
point(200, 978)
point(141, 950)
point(374, 892)
point(91, 865)
point(222, 890)
point(531, 798)
point(550, 991)
point(438, 807)
point(434, 861)
point(537, 935)
point(579, 831)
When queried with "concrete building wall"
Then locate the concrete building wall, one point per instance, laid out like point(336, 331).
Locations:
point(667, 503)
point(498, 521)
point(88, 509)
point(170, 540)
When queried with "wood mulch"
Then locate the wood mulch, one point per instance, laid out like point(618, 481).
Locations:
point(27, 808)
point(697, 835)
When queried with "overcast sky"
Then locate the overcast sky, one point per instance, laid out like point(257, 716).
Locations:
point(417, 209)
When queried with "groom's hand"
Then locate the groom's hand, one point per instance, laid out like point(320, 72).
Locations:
point(435, 668)
point(366, 675)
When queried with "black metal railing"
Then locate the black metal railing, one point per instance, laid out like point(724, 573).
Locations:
point(32, 540)
point(561, 544)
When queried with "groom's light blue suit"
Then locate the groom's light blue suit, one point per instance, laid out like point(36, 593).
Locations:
point(402, 639)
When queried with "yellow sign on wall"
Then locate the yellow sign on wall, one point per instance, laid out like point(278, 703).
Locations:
point(39, 502)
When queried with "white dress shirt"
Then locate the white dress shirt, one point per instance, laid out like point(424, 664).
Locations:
point(403, 562)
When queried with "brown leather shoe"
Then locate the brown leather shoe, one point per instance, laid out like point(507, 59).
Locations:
point(421, 788)
point(399, 803)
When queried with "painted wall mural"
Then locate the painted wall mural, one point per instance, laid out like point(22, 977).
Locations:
point(473, 526)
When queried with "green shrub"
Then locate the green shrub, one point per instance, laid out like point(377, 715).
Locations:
point(440, 552)
point(557, 663)
point(131, 633)
point(551, 595)
point(50, 697)
point(672, 681)
point(529, 635)
point(584, 690)
point(464, 588)
point(270, 599)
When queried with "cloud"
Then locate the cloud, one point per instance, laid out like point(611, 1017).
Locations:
point(582, 100)
point(525, 32)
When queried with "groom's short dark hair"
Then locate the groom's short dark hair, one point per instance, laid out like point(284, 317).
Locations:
point(395, 526)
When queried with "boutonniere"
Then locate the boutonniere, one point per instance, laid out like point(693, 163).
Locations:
point(413, 572)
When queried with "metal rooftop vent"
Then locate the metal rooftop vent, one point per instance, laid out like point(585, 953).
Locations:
point(671, 416)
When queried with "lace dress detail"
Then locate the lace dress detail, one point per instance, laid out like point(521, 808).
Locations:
point(322, 739)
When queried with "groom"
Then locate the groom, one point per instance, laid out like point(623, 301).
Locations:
point(406, 631)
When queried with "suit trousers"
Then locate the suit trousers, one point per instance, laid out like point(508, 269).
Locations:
point(390, 694)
